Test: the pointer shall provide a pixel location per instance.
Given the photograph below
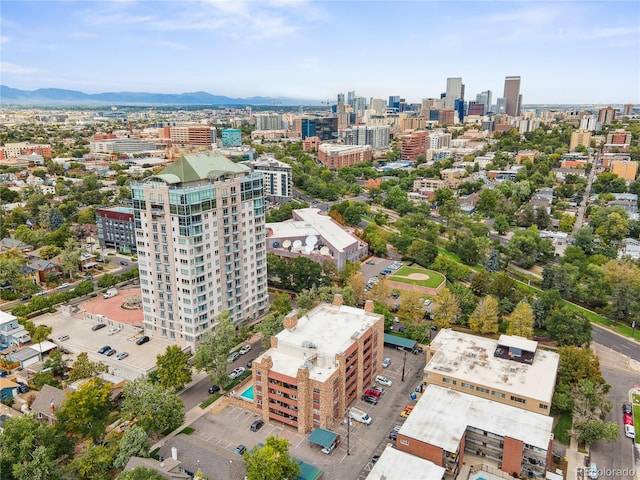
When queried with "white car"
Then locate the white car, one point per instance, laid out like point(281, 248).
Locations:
point(63, 286)
point(386, 362)
point(236, 373)
point(383, 381)
point(113, 331)
point(245, 349)
point(630, 431)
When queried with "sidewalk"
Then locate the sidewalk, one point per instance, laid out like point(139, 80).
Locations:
point(575, 460)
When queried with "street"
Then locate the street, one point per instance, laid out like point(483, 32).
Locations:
point(618, 343)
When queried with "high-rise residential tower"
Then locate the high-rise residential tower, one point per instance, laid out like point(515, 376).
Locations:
point(512, 95)
point(201, 246)
point(485, 99)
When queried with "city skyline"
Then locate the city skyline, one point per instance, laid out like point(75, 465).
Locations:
point(290, 48)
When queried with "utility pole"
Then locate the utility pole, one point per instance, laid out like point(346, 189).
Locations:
point(348, 431)
point(404, 363)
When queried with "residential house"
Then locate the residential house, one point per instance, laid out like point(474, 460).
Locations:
point(47, 402)
point(8, 389)
point(39, 269)
point(11, 332)
point(630, 249)
point(8, 243)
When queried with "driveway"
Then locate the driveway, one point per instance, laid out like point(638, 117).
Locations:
point(229, 426)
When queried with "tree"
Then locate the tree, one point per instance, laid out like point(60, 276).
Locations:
point(447, 309)
point(95, 462)
point(484, 318)
point(85, 368)
point(526, 247)
point(411, 307)
point(501, 224)
point(567, 222)
point(521, 320)
point(55, 219)
point(49, 251)
point(450, 268)
point(422, 252)
point(173, 370)
point(480, 283)
point(356, 282)
point(466, 298)
point(542, 218)
point(281, 304)
point(213, 350)
point(268, 327)
point(11, 263)
point(41, 467)
point(624, 279)
point(272, 461)
point(86, 410)
point(55, 361)
point(70, 257)
point(156, 408)
point(140, 473)
point(595, 430)
point(24, 435)
point(41, 379)
point(134, 443)
point(568, 328)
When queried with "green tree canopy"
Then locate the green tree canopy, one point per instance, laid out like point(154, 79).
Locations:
point(155, 407)
point(86, 410)
point(214, 348)
point(272, 461)
point(521, 320)
point(484, 318)
point(173, 370)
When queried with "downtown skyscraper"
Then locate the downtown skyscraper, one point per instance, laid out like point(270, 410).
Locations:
point(201, 240)
point(512, 96)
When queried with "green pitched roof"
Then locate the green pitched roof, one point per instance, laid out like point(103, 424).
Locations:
point(194, 167)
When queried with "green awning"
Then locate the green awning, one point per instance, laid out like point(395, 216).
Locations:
point(307, 471)
point(322, 437)
point(397, 341)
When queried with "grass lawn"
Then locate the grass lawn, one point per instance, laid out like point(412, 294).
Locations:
point(562, 428)
point(636, 414)
point(434, 280)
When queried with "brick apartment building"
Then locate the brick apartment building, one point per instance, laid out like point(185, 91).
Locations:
point(318, 364)
point(337, 156)
point(116, 228)
point(10, 150)
point(413, 144)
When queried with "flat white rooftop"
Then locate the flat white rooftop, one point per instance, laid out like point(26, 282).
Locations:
point(396, 465)
point(470, 358)
point(322, 333)
point(312, 222)
point(441, 417)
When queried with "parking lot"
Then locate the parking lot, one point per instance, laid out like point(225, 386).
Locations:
point(229, 427)
point(141, 359)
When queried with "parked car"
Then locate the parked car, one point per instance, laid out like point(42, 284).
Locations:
point(104, 349)
point(627, 419)
point(427, 302)
point(386, 362)
point(407, 411)
point(233, 357)
point(393, 435)
point(23, 387)
point(25, 298)
point(402, 329)
point(369, 399)
point(257, 425)
point(329, 449)
point(63, 286)
point(98, 326)
point(240, 449)
point(122, 356)
point(245, 349)
point(214, 388)
point(250, 364)
point(626, 408)
point(383, 381)
point(236, 373)
point(377, 388)
point(375, 458)
point(630, 431)
point(142, 340)
point(373, 393)
point(113, 331)
point(395, 295)
point(124, 263)
point(63, 338)
point(110, 352)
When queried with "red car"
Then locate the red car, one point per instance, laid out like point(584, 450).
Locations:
point(627, 419)
point(373, 393)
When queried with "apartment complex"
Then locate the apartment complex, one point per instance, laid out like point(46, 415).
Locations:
point(413, 144)
point(10, 150)
point(201, 246)
point(192, 135)
point(337, 156)
point(268, 121)
point(116, 228)
point(581, 137)
point(231, 137)
point(317, 365)
point(121, 145)
point(467, 377)
point(278, 179)
point(377, 136)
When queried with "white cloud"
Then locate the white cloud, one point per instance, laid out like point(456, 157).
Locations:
point(4, 39)
point(7, 67)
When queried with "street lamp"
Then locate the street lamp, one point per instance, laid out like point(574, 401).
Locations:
point(404, 363)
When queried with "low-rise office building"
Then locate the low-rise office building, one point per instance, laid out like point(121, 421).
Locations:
point(116, 228)
point(316, 236)
point(318, 364)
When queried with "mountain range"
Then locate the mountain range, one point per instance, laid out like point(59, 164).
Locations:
point(58, 96)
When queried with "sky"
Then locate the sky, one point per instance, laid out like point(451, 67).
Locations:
point(565, 52)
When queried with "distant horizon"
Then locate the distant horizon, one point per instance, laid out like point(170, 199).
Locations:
point(565, 52)
point(294, 104)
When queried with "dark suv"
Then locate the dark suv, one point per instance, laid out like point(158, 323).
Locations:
point(142, 340)
point(369, 399)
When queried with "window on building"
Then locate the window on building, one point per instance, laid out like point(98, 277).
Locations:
point(518, 399)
